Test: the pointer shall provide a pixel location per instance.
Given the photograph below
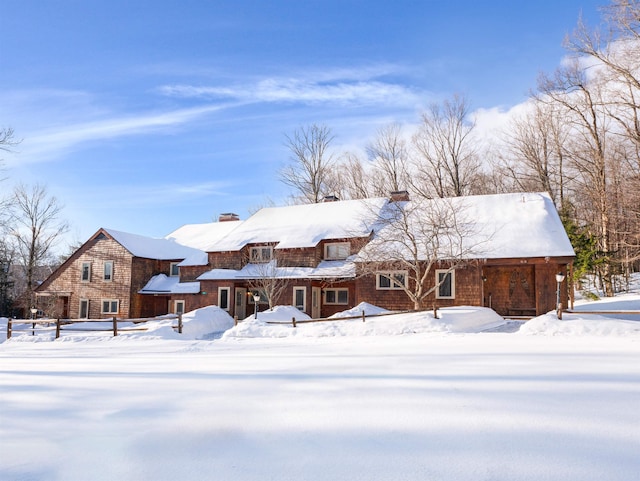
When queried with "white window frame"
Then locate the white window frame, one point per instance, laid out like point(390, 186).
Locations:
point(302, 289)
point(177, 269)
point(104, 271)
point(391, 278)
point(336, 292)
point(177, 303)
point(110, 301)
point(228, 291)
point(88, 266)
point(257, 254)
point(342, 251)
point(453, 283)
point(83, 301)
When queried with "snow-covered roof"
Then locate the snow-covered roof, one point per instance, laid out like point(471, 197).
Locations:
point(202, 236)
point(491, 226)
point(325, 270)
point(163, 284)
point(151, 248)
point(300, 226)
point(518, 225)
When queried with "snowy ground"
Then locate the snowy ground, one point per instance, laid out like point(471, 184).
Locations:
point(393, 398)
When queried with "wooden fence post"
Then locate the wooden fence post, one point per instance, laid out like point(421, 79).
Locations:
point(293, 319)
point(57, 328)
point(9, 328)
point(115, 326)
point(435, 311)
point(179, 323)
point(235, 320)
point(362, 316)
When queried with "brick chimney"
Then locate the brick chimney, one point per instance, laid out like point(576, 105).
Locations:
point(399, 196)
point(330, 198)
point(228, 217)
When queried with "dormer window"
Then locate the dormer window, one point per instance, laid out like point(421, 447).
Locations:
point(174, 270)
point(337, 251)
point(261, 254)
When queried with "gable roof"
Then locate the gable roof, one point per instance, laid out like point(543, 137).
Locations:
point(150, 248)
point(299, 226)
point(498, 226)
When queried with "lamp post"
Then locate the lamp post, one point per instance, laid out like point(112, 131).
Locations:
point(256, 299)
point(559, 279)
point(34, 311)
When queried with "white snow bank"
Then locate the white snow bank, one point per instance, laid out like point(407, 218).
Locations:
point(580, 325)
point(202, 323)
point(455, 319)
point(368, 309)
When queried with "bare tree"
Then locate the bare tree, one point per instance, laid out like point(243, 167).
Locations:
point(269, 281)
point(36, 228)
point(351, 178)
point(389, 155)
point(591, 149)
point(413, 238)
point(447, 162)
point(6, 278)
point(308, 172)
point(616, 53)
point(535, 153)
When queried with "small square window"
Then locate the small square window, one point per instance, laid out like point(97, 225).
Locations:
point(336, 296)
point(261, 254)
point(337, 250)
point(110, 306)
point(391, 280)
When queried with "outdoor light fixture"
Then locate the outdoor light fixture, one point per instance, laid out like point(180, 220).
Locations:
point(256, 299)
point(33, 312)
point(559, 278)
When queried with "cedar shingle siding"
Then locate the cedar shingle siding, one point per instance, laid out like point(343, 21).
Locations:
point(510, 285)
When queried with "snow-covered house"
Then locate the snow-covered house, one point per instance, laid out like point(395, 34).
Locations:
point(501, 251)
point(104, 276)
point(511, 248)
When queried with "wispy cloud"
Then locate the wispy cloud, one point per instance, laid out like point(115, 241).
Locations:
point(53, 142)
point(342, 86)
point(168, 194)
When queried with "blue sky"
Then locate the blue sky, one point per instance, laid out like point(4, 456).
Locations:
point(146, 115)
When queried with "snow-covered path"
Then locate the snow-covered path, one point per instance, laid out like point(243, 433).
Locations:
point(434, 406)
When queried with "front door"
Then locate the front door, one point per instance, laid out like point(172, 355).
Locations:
point(240, 306)
point(316, 296)
point(510, 290)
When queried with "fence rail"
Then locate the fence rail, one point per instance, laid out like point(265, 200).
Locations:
point(362, 316)
point(60, 325)
point(572, 311)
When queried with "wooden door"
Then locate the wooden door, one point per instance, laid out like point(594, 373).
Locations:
point(316, 297)
point(240, 305)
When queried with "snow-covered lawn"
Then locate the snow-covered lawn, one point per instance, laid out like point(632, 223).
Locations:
point(394, 398)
